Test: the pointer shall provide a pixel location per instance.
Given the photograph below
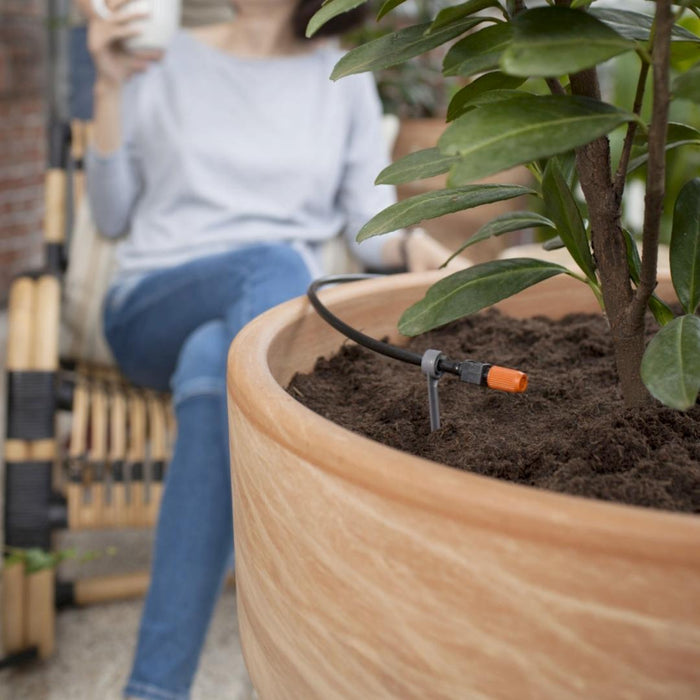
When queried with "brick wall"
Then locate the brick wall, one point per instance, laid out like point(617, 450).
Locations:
point(22, 135)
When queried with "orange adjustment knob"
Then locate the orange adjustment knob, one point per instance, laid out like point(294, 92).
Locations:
point(505, 379)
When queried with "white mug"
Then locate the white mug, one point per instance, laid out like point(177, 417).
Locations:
point(157, 28)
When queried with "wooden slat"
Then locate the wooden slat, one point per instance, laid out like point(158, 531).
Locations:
point(136, 454)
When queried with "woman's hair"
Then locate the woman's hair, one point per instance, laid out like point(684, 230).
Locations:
point(338, 25)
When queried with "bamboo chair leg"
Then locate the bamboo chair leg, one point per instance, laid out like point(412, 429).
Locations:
point(136, 456)
point(55, 185)
point(30, 447)
point(76, 454)
point(158, 453)
point(117, 516)
point(97, 455)
point(103, 589)
point(13, 608)
point(19, 348)
point(89, 507)
point(45, 349)
point(40, 612)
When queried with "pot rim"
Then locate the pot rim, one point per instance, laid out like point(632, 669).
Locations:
point(618, 529)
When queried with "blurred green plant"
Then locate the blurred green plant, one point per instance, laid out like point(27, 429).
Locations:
point(416, 88)
point(504, 53)
point(37, 559)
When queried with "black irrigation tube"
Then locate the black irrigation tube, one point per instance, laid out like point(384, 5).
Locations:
point(444, 364)
point(352, 333)
point(432, 363)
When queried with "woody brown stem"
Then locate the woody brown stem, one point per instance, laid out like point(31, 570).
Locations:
point(621, 174)
point(610, 250)
point(656, 165)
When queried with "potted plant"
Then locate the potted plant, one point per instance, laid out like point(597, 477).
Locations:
point(418, 94)
point(366, 572)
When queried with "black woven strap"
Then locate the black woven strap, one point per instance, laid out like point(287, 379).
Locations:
point(31, 403)
point(27, 504)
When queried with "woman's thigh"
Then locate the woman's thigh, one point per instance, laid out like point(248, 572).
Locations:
point(148, 326)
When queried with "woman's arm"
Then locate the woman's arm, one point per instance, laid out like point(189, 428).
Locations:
point(113, 181)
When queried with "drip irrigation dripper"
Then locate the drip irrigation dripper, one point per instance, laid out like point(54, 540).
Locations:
point(433, 363)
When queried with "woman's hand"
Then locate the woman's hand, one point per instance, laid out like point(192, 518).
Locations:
point(114, 65)
point(423, 252)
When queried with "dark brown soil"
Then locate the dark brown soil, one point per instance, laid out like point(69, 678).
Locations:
point(568, 432)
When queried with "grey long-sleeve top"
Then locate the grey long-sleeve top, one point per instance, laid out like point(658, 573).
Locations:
point(219, 152)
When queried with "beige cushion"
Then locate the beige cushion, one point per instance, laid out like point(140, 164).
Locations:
point(91, 267)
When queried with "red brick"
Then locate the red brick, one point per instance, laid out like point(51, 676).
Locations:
point(23, 69)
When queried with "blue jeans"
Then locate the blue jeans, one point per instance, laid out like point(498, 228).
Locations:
point(174, 328)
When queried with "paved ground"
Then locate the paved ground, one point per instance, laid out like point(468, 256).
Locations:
point(95, 644)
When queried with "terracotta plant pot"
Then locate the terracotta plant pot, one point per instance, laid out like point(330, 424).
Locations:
point(364, 572)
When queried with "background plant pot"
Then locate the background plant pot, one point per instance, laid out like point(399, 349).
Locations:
point(364, 572)
point(452, 230)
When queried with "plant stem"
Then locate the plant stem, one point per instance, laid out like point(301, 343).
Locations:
point(610, 250)
point(621, 174)
point(555, 87)
point(625, 308)
point(656, 165)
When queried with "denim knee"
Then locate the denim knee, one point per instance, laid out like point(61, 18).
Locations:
point(201, 365)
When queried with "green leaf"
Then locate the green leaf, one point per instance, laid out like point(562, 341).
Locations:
point(554, 243)
point(495, 96)
point(388, 6)
point(499, 136)
point(685, 246)
point(671, 363)
point(478, 52)
point(36, 559)
point(491, 81)
point(415, 166)
point(637, 26)
point(687, 85)
point(505, 223)
point(432, 204)
point(14, 557)
point(567, 165)
point(562, 208)
point(677, 135)
point(471, 290)
point(456, 12)
point(390, 49)
point(684, 53)
point(553, 41)
point(661, 311)
point(328, 11)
